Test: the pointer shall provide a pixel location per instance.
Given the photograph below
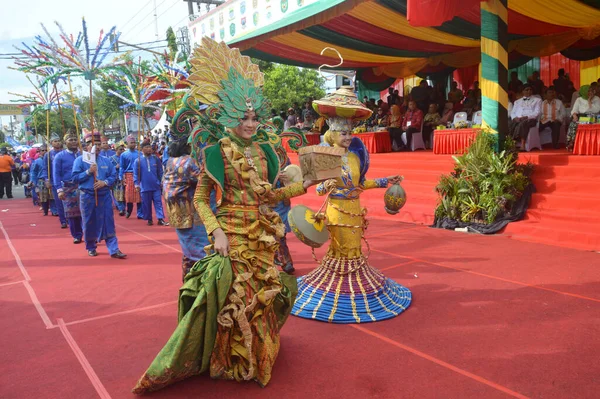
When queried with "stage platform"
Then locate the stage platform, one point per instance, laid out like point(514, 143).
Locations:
point(564, 211)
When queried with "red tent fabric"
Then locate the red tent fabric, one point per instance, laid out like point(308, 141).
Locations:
point(550, 65)
point(435, 12)
point(466, 76)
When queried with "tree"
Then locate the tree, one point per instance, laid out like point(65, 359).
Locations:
point(171, 41)
point(264, 66)
point(286, 84)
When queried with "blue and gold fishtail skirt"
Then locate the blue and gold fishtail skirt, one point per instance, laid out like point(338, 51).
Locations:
point(343, 290)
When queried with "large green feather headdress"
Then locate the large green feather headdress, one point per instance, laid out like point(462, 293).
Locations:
point(228, 82)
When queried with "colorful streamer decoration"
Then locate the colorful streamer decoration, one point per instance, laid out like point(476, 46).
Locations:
point(76, 57)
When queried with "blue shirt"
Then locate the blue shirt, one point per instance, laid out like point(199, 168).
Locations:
point(107, 153)
point(52, 154)
point(37, 168)
point(62, 168)
point(106, 172)
point(126, 162)
point(152, 171)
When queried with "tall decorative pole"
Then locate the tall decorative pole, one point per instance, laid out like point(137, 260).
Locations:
point(494, 67)
point(74, 114)
point(92, 129)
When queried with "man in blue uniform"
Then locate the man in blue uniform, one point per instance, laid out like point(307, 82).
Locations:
point(37, 180)
point(68, 193)
point(126, 176)
point(95, 198)
point(147, 176)
point(117, 189)
point(105, 150)
point(56, 205)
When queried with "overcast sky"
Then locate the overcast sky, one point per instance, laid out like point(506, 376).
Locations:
point(134, 18)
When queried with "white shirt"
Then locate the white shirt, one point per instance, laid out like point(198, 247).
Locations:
point(560, 111)
point(530, 107)
point(582, 106)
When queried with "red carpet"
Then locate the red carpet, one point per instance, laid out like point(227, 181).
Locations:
point(491, 318)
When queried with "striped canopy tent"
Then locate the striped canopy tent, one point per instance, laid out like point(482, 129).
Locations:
point(376, 38)
point(387, 39)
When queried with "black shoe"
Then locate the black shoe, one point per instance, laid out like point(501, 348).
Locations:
point(161, 222)
point(93, 253)
point(9, 196)
point(45, 213)
point(140, 218)
point(55, 214)
point(77, 241)
point(127, 215)
point(150, 223)
point(121, 213)
point(289, 268)
point(63, 226)
point(118, 255)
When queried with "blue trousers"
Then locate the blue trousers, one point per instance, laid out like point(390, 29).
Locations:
point(58, 207)
point(140, 213)
point(149, 197)
point(75, 227)
point(98, 220)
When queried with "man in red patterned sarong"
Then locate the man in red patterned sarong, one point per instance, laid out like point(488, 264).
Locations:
point(126, 176)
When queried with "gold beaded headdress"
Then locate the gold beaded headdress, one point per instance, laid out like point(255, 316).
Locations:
point(228, 82)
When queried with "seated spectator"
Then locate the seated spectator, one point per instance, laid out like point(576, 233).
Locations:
point(587, 103)
point(382, 118)
point(537, 85)
point(291, 119)
point(455, 96)
point(524, 115)
point(515, 85)
point(475, 91)
point(381, 104)
point(553, 114)
point(411, 123)
point(395, 124)
point(447, 114)
point(431, 120)
point(307, 117)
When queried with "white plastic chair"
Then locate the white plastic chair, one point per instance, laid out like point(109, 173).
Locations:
point(477, 118)
point(460, 117)
point(546, 135)
point(417, 139)
point(533, 138)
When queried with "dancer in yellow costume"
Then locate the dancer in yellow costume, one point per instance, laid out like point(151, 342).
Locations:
point(345, 288)
point(234, 302)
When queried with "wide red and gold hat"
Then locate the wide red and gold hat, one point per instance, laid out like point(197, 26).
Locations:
point(342, 103)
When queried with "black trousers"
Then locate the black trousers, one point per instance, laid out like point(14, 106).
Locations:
point(555, 126)
point(17, 176)
point(396, 135)
point(6, 184)
point(427, 130)
point(409, 133)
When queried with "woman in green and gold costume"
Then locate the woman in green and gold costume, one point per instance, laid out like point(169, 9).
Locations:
point(345, 288)
point(234, 302)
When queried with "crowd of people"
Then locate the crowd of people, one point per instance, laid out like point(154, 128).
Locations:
point(424, 108)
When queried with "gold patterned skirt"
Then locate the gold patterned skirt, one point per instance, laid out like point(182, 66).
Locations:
point(345, 288)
